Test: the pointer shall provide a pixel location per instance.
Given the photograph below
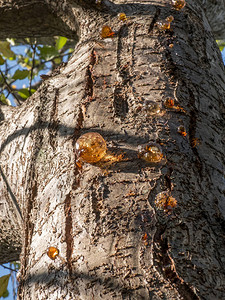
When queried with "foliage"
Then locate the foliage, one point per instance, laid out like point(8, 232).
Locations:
point(13, 267)
point(3, 285)
point(23, 61)
point(221, 44)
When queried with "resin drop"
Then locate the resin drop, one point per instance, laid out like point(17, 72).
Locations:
point(151, 108)
point(107, 32)
point(122, 17)
point(165, 201)
point(170, 19)
point(145, 239)
point(163, 25)
point(52, 252)
point(169, 103)
point(178, 4)
point(181, 130)
point(150, 152)
point(90, 147)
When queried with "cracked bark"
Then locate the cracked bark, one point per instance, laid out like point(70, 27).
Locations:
point(97, 216)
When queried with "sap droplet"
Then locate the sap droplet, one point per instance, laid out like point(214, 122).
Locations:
point(169, 103)
point(107, 32)
point(195, 142)
point(122, 17)
point(178, 4)
point(52, 252)
point(165, 201)
point(170, 19)
point(145, 239)
point(150, 152)
point(181, 130)
point(90, 147)
point(163, 25)
point(171, 46)
point(151, 108)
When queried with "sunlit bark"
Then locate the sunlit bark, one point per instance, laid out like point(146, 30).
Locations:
point(114, 242)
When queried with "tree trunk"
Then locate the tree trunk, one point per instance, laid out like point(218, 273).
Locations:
point(115, 241)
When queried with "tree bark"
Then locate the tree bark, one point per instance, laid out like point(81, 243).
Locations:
point(114, 241)
point(215, 13)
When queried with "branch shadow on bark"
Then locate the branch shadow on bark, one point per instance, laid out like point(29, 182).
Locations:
point(131, 163)
point(108, 283)
point(15, 202)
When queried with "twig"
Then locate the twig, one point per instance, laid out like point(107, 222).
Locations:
point(10, 89)
point(8, 268)
point(34, 47)
point(50, 60)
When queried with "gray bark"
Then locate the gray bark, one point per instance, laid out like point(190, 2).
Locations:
point(215, 13)
point(97, 216)
point(32, 18)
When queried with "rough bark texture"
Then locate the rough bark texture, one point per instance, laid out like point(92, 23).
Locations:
point(97, 217)
point(32, 18)
point(215, 12)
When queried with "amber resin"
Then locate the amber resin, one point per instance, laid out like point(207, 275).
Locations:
point(145, 239)
point(90, 147)
point(178, 4)
point(150, 152)
point(122, 17)
point(52, 252)
point(195, 142)
point(170, 19)
point(169, 103)
point(181, 130)
point(107, 32)
point(165, 201)
point(151, 108)
point(165, 24)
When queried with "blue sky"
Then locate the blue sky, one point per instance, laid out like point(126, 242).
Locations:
point(10, 288)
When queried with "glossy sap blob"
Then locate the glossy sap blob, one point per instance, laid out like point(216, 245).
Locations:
point(165, 201)
point(52, 252)
point(151, 108)
point(181, 130)
point(90, 147)
point(122, 17)
point(178, 4)
point(107, 32)
point(165, 24)
point(150, 152)
point(169, 103)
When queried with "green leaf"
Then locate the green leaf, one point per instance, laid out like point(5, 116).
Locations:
point(57, 60)
point(6, 51)
point(4, 100)
point(20, 74)
point(24, 93)
point(3, 284)
point(2, 61)
point(221, 44)
point(6, 294)
point(47, 52)
point(60, 42)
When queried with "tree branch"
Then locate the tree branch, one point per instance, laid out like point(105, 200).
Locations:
point(33, 20)
point(10, 89)
point(215, 13)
